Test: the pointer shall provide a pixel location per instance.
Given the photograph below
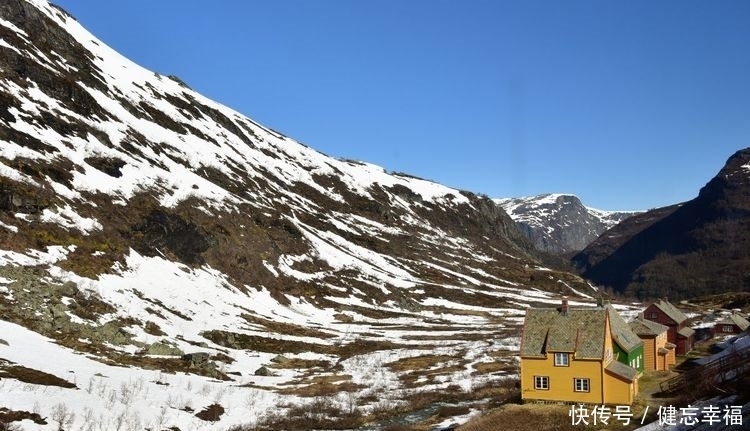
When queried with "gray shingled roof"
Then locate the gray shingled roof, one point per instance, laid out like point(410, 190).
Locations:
point(671, 311)
point(734, 319)
point(621, 332)
point(686, 332)
point(619, 369)
point(647, 328)
point(580, 331)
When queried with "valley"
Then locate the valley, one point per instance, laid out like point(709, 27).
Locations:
point(168, 263)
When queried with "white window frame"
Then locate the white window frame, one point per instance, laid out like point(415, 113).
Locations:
point(562, 359)
point(581, 384)
point(728, 328)
point(541, 383)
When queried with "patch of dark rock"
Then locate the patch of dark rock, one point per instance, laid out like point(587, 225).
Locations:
point(217, 177)
point(8, 101)
point(196, 359)
point(153, 328)
point(25, 140)
point(89, 306)
point(162, 119)
point(161, 231)
point(287, 226)
point(405, 193)
point(221, 119)
point(58, 170)
point(108, 165)
point(21, 199)
point(263, 371)
point(8, 416)
point(211, 413)
point(178, 80)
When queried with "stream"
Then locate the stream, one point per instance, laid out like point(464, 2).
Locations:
point(416, 417)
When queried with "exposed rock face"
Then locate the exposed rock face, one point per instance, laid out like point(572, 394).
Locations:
point(697, 248)
point(558, 223)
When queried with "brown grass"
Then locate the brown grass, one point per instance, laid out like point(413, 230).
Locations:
point(321, 413)
point(321, 386)
point(422, 362)
point(492, 367)
point(286, 328)
point(36, 377)
point(281, 362)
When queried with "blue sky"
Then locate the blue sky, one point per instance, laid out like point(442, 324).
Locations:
point(629, 105)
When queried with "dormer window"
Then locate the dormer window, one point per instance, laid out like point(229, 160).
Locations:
point(562, 359)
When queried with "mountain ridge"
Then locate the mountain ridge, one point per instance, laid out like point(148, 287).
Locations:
point(695, 248)
point(559, 223)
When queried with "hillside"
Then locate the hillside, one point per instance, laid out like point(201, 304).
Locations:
point(559, 223)
point(162, 255)
point(697, 248)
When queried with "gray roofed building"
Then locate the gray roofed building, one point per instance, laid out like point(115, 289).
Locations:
point(667, 314)
point(670, 310)
point(734, 319)
point(621, 331)
point(647, 327)
point(578, 331)
point(571, 355)
point(686, 332)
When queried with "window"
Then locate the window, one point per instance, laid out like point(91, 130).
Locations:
point(654, 315)
point(581, 385)
point(541, 383)
point(728, 328)
point(561, 359)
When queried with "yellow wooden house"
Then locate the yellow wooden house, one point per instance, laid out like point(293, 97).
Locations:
point(567, 355)
point(658, 353)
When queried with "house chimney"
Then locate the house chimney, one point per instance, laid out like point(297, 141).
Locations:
point(564, 306)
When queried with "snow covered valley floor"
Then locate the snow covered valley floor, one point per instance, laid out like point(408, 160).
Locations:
point(222, 358)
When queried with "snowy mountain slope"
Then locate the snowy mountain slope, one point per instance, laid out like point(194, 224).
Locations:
point(140, 221)
point(559, 223)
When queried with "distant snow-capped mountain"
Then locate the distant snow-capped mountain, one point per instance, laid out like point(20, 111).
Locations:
point(559, 223)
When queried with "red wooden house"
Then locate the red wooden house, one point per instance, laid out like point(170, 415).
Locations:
point(730, 325)
point(668, 315)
